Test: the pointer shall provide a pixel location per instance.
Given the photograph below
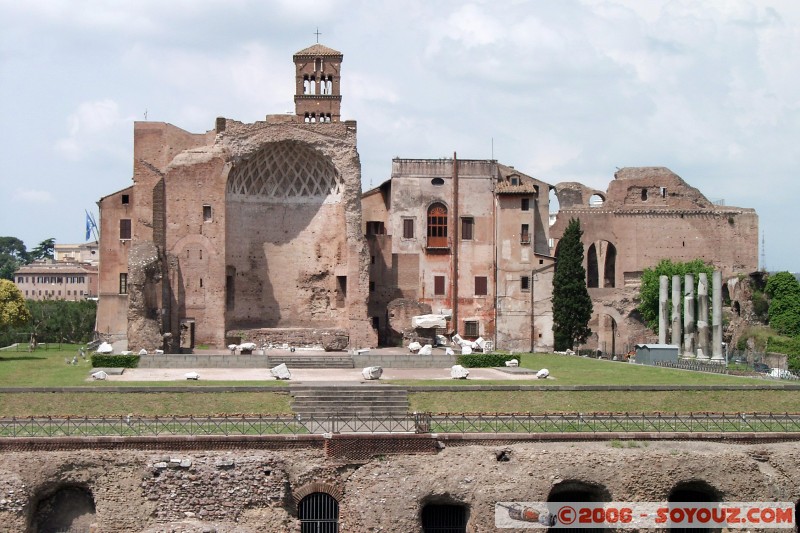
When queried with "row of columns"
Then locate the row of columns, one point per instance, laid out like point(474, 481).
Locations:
point(695, 339)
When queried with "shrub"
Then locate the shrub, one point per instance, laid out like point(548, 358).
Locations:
point(115, 361)
point(484, 360)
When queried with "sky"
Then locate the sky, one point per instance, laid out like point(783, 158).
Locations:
point(563, 90)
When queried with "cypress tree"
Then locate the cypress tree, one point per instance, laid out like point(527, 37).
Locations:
point(572, 307)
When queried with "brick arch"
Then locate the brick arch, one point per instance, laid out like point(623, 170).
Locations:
point(310, 488)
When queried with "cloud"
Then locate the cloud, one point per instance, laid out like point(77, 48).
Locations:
point(89, 128)
point(33, 196)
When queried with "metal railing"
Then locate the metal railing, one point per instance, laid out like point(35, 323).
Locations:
point(411, 423)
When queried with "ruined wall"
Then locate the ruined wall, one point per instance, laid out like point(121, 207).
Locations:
point(112, 307)
point(250, 491)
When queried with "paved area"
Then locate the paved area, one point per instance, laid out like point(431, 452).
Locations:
point(307, 375)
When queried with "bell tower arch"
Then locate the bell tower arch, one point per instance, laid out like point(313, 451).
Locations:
point(317, 84)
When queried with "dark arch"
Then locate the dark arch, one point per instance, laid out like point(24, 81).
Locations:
point(737, 308)
point(610, 268)
point(437, 225)
point(437, 181)
point(444, 516)
point(318, 513)
point(578, 491)
point(592, 275)
point(67, 507)
point(694, 491)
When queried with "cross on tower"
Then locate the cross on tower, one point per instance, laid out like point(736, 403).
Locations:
point(317, 33)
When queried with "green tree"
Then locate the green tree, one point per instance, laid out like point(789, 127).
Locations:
point(12, 256)
point(572, 306)
point(44, 250)
point(13, 311)
point(648, 291)
point(783, 290)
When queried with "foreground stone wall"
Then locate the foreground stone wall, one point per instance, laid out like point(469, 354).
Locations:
point(257, 490)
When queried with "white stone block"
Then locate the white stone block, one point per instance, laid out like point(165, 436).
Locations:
point(414, 346)
point(281, 372)
point(429, 321)
point(449, 351)
point(192, 375)
point(426, 350)
point(542, 374)
point(466, 350)
point(480, 343)
point(99, 375)
point(372, 372)
point(458, 372)
point(512, 362)
point(142, 352)
point(105, 348)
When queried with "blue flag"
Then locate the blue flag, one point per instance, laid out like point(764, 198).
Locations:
point(88, 226)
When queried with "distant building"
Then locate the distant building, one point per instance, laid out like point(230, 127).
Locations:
point(77, 253)
point(57, 281)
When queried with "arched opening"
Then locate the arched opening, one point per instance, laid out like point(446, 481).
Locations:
point(68, 508)
point(592, 277)
point(437, 181)
point(610, 265)
point(694, 491)
point(596, 200)
point(318, 513)
point(437, 226)
point(737, 308)
point(580, 492)
point(306, 86)
point(554, 205)
point(444, 518)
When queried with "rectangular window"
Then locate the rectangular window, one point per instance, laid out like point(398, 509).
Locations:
point(481, 286)
point(471, 328)
point(126, 199)
point(125, 228)
point(467, 227)
point(526, 204)
point(371, 286)
point(524, 234)
point(375, 227)
point(438, 285)
point(123, 283)
point(525, 283)
point(408, 228)
point(206, 213)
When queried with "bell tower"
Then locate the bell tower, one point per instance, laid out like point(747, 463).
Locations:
point(317, 95)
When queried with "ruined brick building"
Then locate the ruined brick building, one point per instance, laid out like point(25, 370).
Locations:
point(255, 231)
point(245, 231)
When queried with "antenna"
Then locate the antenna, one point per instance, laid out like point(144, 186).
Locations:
point(763, 254)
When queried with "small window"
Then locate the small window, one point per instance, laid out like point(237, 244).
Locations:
point(514, 180)
point(525, 283)
point(201, 283)
point(372, 260)
point(408, 228)
point(524, 234)
point(438, 285)
point(663, 192)
point(437, 181)
point(526, 204)
point(644, 195)
point(126, 199)
point(201, 253)
point(481, 286)
point(467, 226)
point(471, 328)
point(375, 227)
point(371, 286)
point(125, 229)
point(206, 213)
point(123, 283)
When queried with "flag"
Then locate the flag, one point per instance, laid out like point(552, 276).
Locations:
point(90, 225)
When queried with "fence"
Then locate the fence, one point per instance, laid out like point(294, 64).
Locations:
point(416, 422)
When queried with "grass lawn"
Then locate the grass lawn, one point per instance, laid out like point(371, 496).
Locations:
point(47, 368)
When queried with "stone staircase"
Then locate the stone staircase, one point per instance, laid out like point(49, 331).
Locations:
point(301, 360)
point(349, 400)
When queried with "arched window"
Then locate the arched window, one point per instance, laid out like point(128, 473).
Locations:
point(437, 226)
point(592, 278)
point(318, 513)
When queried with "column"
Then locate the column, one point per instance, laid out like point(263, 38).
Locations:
point(688, 317)
point(702, 318)
point(676, 311)
point(716, 318)
point(663, 285)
